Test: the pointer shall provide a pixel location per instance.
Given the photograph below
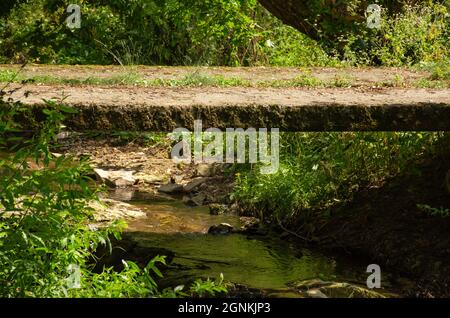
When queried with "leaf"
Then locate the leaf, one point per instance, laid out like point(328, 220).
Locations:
point(69, 110)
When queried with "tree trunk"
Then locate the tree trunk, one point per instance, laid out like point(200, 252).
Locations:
point(328, 19)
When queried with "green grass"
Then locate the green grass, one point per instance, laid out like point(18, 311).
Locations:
point(438, 79)
point(319, 170)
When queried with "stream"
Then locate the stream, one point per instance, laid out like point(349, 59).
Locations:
point(265, 263)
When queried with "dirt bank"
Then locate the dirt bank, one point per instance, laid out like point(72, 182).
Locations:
point(387, 226)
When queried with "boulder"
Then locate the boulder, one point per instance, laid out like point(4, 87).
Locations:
point(251, 225)
point(197, 200)
point(205, 170)
point(217, 209)
point(221, 229)
point(345, 290)
point(194, 184)
point(317, 288)
point(115, 178)
point(171, 188)
point(149, 178)
point(109, 210)
point(316, 293)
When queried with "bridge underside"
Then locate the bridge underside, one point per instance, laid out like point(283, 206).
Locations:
point(164, 109)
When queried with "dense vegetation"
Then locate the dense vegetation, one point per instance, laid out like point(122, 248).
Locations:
point(321, 170)
point(214, 32)
point(47, 246)
point(45, 213)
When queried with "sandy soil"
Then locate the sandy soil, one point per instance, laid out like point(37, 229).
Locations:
point(364, 76)
point(235, 96)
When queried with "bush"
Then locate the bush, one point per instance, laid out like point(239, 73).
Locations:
point(44, 216)
point(46, 242)
point(417, 35)
point(318, 170)
point(215, 32)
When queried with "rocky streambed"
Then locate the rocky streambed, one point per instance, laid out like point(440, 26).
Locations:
point(183, 212)
point(258, 263)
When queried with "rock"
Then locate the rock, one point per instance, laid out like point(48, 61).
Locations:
point(187, 200)
point(110, 210)
point(199, 199)
point(205, 170)
point(143, 177)
point(234, 208)
point(216, 198)
point(317, 288)
point(223, 228)
point(345, 290)
point(63, 135)
point(176, 179)
point(316, 293)
point(217, 209)
point(310, 284)
point(250, 224)
point(171, 188)
point(116, 178)
point(191, 186)
point(122, 194)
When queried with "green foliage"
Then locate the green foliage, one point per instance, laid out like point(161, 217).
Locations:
point(419, 34)
point(213, 32)
point(318, 170)
point(439, 212)
point(44, 221)
point(217, 32)
point(44, 216)
point(202, 288)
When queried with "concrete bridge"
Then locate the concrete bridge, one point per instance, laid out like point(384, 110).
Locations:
point(138, 108)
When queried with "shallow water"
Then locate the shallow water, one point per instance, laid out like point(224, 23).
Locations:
point(263, 263)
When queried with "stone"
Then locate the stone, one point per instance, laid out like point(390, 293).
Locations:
point(122, 194)
point(217, 209)
point(63, 135)
point(188, 201)
point(115, 178)
point(109, 210)
point(317, 288)
point(316, 293)
point(194, 184)
point(143, 177)
point(199, 199)
point(221, 229)
point(171, 188)
point(205, 170)
point(250, 224)
point(345, 290)
point(195, 201)
point(216, 198)
point(176, 179)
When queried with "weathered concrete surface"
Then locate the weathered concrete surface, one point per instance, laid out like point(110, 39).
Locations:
point(357, 76)
point(164, 109)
